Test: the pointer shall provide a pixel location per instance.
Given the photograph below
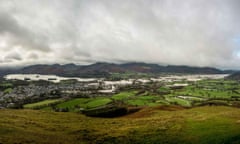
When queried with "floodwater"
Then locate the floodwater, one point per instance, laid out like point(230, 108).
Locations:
point(52, 78)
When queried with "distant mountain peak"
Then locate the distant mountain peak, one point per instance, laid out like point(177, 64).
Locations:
point(100, 69)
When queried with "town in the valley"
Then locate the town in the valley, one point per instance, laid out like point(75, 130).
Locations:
point(20, 89)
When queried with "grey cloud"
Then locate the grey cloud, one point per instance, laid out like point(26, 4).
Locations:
point(189, 32)
point(20, 35)
point(33, 56)
point(14, 56)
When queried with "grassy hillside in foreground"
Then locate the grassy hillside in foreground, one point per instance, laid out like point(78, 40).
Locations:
point(202, 125)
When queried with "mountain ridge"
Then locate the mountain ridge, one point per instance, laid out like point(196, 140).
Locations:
point(101, 69)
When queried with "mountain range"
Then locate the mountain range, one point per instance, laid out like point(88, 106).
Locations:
point(105, 69)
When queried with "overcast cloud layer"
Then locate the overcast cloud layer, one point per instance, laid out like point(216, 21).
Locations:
point(179, 32)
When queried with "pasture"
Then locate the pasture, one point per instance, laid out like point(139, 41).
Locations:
point(161, 124)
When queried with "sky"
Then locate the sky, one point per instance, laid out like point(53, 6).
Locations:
point(165, 32)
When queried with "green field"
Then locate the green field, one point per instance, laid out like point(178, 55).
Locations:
point(124, 95)
point(161, 125)
point(131, 98)
point(211, 89)
point(179, 101)
point(71, 104)
point(86, 103)
point(203, 91)
point(143, 101)
point(41, 104)
point(219, 92)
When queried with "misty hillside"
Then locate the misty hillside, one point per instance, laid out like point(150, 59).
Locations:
point(105, 69)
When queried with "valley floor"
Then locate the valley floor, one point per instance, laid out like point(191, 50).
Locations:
point(161, 124)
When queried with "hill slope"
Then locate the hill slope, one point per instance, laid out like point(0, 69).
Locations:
point(105, 69)
point(201, 125)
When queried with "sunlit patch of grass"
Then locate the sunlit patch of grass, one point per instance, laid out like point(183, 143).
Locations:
point(98, 102)
point(182, 102)
point(124, 95)
point(86, 103)
point(143, 101)
point(42, 104)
